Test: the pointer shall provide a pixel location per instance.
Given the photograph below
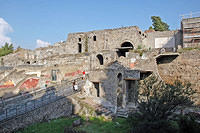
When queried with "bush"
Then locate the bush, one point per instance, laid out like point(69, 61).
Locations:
point(188, 125)
point(161, 126)
point(158, 101)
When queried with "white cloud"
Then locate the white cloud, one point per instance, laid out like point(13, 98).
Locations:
point(41, 43)
point(5, 28)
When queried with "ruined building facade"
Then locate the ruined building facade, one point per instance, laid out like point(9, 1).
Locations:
point(111, 62)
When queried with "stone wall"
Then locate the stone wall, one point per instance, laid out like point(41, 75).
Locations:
point(111, 84)
point(164, 39)
point(186, 68)
point(105, 39)
point(92, 42)
point(62, 107)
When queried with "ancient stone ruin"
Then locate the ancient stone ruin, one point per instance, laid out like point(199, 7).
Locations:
point(106, 66)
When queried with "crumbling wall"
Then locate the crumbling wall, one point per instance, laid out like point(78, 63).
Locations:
point(109, 82)
point(105, 39)
point(186, 68)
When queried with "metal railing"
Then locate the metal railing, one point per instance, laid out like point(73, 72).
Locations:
point(50, 95)
point(190, 15)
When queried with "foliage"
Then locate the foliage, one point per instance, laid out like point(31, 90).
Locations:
point(157, 100)
point(139, 47)
point(188, 125)
point(54, 126)
point(158, 25)
point(161, 126)
point(6, 49)
point(151, 28)
point(98, 125)
point(188, 49)
point(93, 125)
point(139, 51)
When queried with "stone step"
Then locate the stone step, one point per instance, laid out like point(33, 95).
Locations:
point(122, 115)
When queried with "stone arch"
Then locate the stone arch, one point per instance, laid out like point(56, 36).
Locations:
point(28, 62)
point(100, 58)
point(125, 47)
point(127, 44)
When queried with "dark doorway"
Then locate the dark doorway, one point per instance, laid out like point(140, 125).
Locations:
point(119, 78)
point(94, 38)
point(131, 87)
point(125, 47)
point(119, 98)
point(53, 75)
point(96, 85)
point(100, 58)
point(79, 47)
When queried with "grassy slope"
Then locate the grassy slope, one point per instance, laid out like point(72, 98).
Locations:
point(94, 125)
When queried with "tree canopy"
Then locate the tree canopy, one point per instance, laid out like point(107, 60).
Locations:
point(6, 49)
point(158, 100)
point(158, 24)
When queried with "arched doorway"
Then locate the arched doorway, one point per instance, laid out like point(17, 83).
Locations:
point(125, 47)
point(100, 58)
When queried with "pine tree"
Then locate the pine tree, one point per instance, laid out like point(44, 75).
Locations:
point(158, 25)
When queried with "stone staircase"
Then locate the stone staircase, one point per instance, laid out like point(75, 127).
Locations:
point(104, 111)
point(122, 112)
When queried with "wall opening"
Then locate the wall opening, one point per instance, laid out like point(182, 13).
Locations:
point(131, 88)
point(119, 98)
point(96, 85)
point(53, 75)
point(166, 58)
point(100, 58)
point(28, 62)
point(79, 47)
point(94, 38)
point(79, 39)
point(119, 90)
point(125, 47)
point(145, 74)
point(119, 78)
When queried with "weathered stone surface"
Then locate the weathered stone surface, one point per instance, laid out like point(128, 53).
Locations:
point(185, 68)
point(62, 107)
point(77, 123)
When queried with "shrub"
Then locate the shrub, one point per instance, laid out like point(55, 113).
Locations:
point(188, 125)
point(161, 126)
point(157, 100)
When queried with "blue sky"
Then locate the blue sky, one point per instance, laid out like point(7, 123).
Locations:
point(28, 22)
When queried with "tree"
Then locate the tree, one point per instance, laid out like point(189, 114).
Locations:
point(157, 100)
point(158, 25)
point(151, 28)
point(6, 49)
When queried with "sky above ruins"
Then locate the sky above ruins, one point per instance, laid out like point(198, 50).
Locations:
point(34, 23)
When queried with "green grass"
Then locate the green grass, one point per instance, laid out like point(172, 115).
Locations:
point(188, 49)
point(93, 125)
point(54, 126)
point(98, 125)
